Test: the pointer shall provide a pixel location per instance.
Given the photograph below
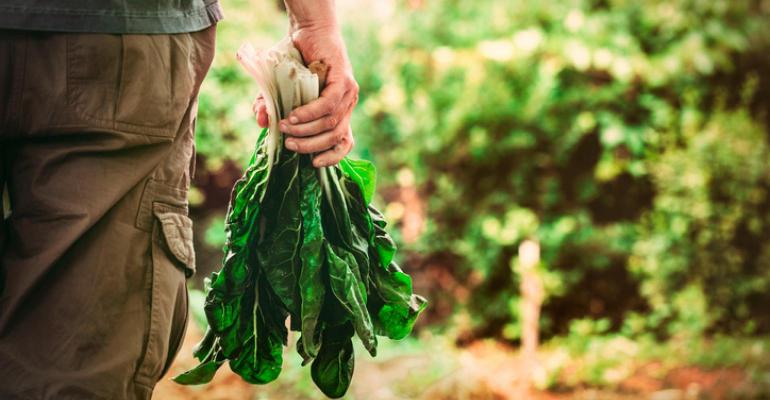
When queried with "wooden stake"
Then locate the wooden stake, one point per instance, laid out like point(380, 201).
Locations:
point(531, 299)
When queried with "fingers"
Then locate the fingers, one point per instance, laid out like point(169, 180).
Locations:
point(262, 118)
point(320, 142)
point(322, 124)
point(336, 153)
point(325, 113)
point(260, 110)
point(322, 106)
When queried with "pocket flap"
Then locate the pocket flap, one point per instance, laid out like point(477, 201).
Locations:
point(178, 232)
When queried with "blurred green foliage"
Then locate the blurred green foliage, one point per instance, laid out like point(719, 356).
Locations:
point(226, 129)
point(629, 138)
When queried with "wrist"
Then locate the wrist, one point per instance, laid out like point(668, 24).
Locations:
point(317, 27)
point(313, 15)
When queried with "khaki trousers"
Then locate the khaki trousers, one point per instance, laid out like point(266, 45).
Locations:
point(97, 152)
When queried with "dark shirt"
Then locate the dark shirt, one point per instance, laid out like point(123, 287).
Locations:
point(110, 16)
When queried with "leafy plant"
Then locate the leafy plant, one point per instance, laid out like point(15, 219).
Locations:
point(303, 243)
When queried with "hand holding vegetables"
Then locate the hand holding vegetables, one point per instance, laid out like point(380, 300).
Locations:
point(305, 243)
point(322, 126)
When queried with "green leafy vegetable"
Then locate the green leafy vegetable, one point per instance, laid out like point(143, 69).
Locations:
point(303, 243)
point(332, 370)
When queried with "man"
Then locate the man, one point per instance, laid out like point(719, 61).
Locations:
point(97, 113)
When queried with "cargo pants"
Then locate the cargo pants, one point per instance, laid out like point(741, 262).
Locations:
point(97, 153)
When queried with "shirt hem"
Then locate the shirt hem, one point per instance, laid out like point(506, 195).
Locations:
point(107, 21)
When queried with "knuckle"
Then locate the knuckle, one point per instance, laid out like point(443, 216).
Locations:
point(309, 129)
point(328, 107)
point(350, 81)
point(331, 122)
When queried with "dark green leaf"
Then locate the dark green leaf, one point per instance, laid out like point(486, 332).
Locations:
point(203, 373)
point(397, 316)
point(351, 294)
point(332, 370)
point(279, 250)
point(311, 285)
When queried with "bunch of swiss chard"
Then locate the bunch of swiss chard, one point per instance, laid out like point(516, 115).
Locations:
point(305, 243)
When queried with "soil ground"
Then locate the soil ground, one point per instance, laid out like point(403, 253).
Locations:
point(484, 370)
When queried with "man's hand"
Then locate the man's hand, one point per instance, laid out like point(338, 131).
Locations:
point(323, 125)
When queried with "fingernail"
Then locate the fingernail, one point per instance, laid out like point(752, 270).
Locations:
point(293, 120)
point(291, 145)
point(284, 127)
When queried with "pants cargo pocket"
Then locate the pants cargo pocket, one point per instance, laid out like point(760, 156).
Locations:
point(173, 261)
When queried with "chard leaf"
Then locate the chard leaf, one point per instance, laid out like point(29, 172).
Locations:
point(386, 247)
point(351, 293)
point(362, 228)
point(221, 310)
point(338, 211)
point(249, 187)
point(311, 285)
point(363, 173)
point(261, 358)
point(306, 358)
point(203, 348)
point(332, 370)
point(402, 307)
point(279, 251)
point(261, 355)
point(202, 373)
point(335, 217)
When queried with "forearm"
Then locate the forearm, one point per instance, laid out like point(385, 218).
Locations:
point(311, 14)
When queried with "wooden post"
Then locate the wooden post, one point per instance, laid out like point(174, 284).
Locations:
point(532, 293)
